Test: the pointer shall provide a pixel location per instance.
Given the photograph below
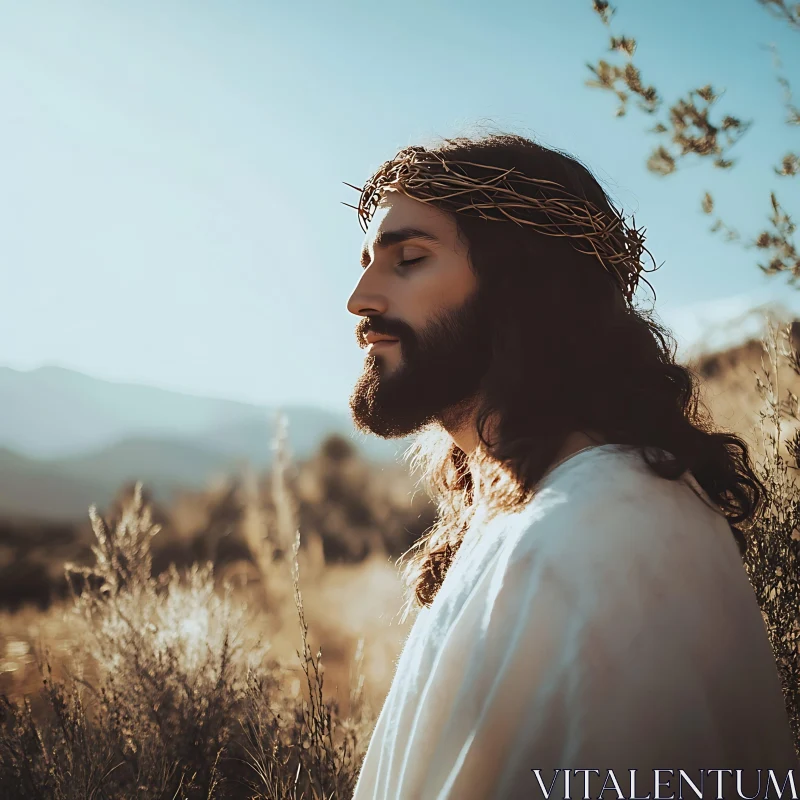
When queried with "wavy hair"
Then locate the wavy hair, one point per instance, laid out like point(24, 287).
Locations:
point(567, 353)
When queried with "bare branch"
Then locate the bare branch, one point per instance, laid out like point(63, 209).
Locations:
point(780, 10)
point(687, 128)
point(707, 205)
point(792, 111)
point(779, 243)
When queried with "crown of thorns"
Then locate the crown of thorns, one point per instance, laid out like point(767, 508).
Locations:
point(497, 193)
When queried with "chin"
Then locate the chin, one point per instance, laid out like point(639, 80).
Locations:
point(389, 429)
point(382, 361)
point(389, 399)
point(371, 416)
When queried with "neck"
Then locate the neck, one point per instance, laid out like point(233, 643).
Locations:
point(461, 423)
point(461, 426)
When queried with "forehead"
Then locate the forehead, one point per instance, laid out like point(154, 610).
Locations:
point(399, 208)
point(396, 210)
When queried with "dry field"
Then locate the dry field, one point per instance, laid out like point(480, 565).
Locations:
point(178, 654)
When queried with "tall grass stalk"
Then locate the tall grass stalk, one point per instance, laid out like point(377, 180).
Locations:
point(773, 540)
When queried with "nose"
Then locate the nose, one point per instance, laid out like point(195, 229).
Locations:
point(367, 297)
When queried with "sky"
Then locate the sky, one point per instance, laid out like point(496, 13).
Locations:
point(172, 180)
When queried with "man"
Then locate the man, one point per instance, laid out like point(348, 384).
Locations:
point(583, 604)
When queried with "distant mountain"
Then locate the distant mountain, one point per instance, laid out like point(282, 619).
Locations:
point(33, 489)
point(252, 439)
point(160, 464)
point(56, 413)
point(724, 324)
point(52, 412)
point(731, 333)
point(68, 440)
point(728, 389)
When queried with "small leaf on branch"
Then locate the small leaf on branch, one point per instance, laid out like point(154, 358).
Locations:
point(790, 165)
point(661, 161)
point(624, 44)
point(707, 93)
point(730, 122)
point(604, 10)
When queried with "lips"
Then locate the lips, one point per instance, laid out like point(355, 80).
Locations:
point(374, 338)
point(378, 343)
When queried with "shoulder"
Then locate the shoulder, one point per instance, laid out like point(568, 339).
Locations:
point(612, 547)
point(606, 513)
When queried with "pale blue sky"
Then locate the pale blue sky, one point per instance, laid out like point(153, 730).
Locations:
point(172, 171)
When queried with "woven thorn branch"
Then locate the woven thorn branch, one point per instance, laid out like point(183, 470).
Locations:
point(507, 195)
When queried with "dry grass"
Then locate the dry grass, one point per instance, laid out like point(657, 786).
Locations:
point(773, 543)
point(173, 687)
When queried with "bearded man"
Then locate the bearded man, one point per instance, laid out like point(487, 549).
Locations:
point(581, 601)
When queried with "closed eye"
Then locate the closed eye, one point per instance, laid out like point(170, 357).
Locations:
point(407, 263)
point(410, 261)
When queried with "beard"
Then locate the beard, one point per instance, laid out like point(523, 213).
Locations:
point(437, 378)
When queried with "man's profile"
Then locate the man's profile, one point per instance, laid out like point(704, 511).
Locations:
point(582, 600)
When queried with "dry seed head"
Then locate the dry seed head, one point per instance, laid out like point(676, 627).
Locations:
point(505, 195)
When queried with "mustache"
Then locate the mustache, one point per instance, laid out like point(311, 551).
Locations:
point(383, 326)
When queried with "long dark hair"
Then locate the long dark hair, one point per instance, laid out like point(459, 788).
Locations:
point(568, 354)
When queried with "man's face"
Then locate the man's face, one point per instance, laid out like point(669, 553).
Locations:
point(432, 369)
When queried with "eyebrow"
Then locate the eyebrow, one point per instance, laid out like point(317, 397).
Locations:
point(386, 239)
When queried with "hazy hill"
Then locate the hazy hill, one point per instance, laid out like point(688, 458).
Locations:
point(729, 391)
point(53, 412)
point(68, 440)
point(34, 489)
point(159, 463)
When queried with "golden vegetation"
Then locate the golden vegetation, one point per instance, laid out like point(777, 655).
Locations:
point(202, 681)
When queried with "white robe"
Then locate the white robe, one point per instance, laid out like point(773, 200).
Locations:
point(608, 625)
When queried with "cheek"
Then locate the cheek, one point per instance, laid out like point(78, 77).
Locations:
point(432, 290)
point(458, 281)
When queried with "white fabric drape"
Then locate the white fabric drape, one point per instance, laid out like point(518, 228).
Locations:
point(608, 625)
